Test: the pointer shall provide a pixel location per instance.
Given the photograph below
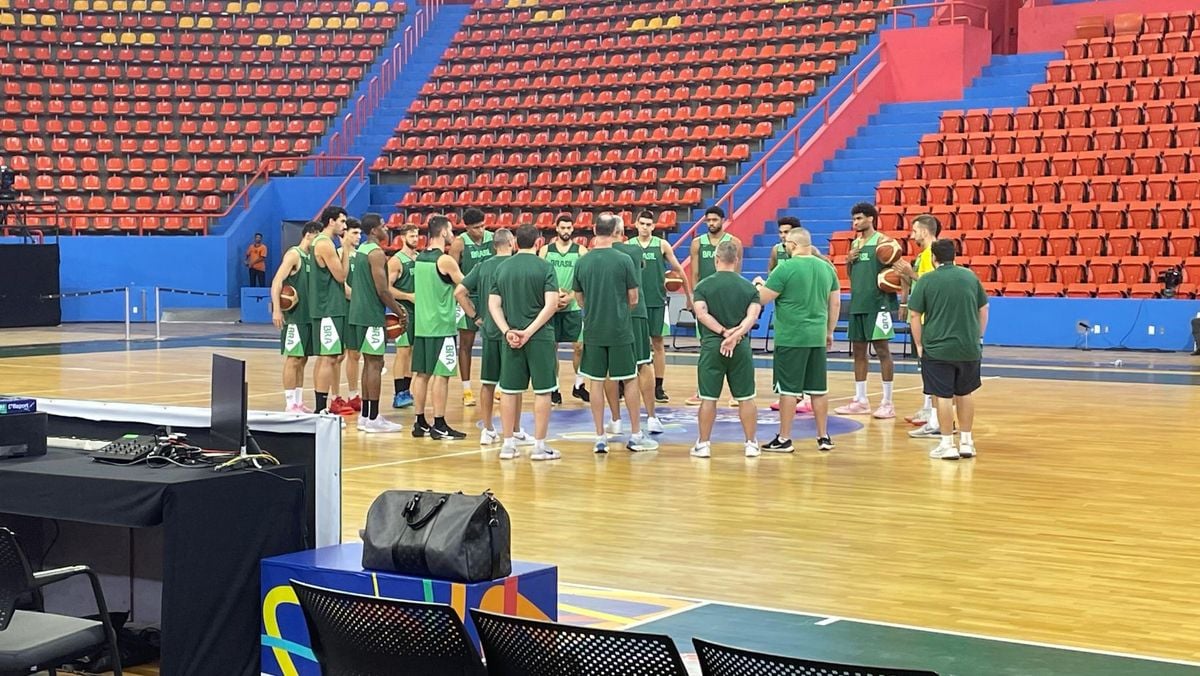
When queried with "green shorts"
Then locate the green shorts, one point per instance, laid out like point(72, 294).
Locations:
point(460, 316)
point(435, 356)
point(800, 370)
point(329, 332)
point(489, 361)
point(866, 328)
point(406, 338)
point(568, 326)
point(641, 341)
point(659, 326)
point(534, 363)
point(295, 340)
point(714, 369)
point(367, 339)
point(600, 362)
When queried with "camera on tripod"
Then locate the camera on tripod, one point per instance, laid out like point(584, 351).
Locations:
point(1170, 278)
point(8, 180)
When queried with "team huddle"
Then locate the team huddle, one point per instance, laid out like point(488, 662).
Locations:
point(608, 301)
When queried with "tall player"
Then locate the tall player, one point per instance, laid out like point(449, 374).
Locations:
point(473, 285)
point(925, 231)
point(703, 254)
point(400, 276)
point(641, 343)
point(657, 254)
point(780, 253)
point(870, 314)
point(563, 255)
point(468, 250)
point(327, 303)
point(295, 337)
point(350, 356)
point(435, 355)
point(371, 296)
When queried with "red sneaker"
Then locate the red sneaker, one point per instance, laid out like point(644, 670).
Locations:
point(356, 404)
point(341, 407)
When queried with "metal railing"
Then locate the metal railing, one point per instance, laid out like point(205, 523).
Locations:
point(99, 292)
point(945, 12)
point(158, 313)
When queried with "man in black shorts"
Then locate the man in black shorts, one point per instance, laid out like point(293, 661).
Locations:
point(948, 314)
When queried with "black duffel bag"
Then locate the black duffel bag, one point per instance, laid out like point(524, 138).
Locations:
point(449, 536)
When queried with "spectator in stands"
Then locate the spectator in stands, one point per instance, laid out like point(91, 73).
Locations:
point(949, 311)
point(256, 261)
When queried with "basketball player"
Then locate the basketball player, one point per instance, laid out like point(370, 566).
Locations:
point(925, 231)
point(642, 354)
point(350, 356)
point(468, 250)
point(327, 303)
point(807, 299)
point(703, 252)
point(371, 296)
point(951, 315)
point(400, 276)
point(481, 277)
point(780, 253)
point(726, 308)
point(435, 357)
point(605, 286)
point(521, 300)
point(295, 329)
point(870, 314)
point(563, 255)
point(657, 254)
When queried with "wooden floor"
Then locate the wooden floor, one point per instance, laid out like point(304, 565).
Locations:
point(1076, 525)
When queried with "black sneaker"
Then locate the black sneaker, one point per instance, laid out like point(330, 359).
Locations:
point(447, 432)
point(556, 398)
point(824, 444)
point(420, 430)
point(581, 394)
point(661, 397)
point(778, 445)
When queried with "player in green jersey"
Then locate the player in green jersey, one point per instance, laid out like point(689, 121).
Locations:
point(642, 351)
point(780, 253)
point(294, 325)
point(703, 254)
point(563, 255)
point(435, 353)
point(400, 276)
point(658, 255)
point(351, 360)
point(468, 250)
point(327, 303)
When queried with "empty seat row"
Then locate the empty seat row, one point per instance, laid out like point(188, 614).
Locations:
point(666, 220)
point(1046, 190)
point(646, 176)
point(1154, 66)
point(1120, 90)
point(719, 153)
point(1171, 163)
point(1131, 45)
point(647, 115)
point(1069, 117)
point(1113, 215)
point(1152, 243)
point(1076, 269)
point(585, 198)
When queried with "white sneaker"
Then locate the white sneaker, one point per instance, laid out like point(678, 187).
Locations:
point(601, 446)
point(966, 450)
point(701, 450)
point(921, 417)
point(944, 452)
point(613, 428)
point(654, 426)
point(362, 423)
point(641, 442)
point(522, 438)
point(381, 425)
point(752, 450)
point(509, 452)
point(489, 437)
point(545, 453)
point(926, 432)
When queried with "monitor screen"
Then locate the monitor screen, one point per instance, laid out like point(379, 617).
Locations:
point(228, 421)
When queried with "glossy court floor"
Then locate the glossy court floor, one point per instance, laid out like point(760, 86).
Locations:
point(1075, 527)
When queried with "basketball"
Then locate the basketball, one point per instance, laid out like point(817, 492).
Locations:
point(888, 252)
point(395, 326)
point(673, 283)
point(288, 298)
point(890, 281)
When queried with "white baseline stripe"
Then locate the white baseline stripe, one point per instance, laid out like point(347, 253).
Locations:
point(412, 460)
point(669, 613)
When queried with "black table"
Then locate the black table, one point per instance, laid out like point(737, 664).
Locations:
point(216, 528)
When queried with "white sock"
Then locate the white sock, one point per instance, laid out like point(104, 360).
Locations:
point(947, 440)
point(467, 385)
point(289, 397)
point(539, 444)
point(299, 395)
point(965, 437)
point(887, 393)
point(929, 403)
point(602, 439)
point(578, 381)
point(933, 419)
point(860, 390)
point(649, 418)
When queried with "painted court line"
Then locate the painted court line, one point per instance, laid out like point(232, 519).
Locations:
point(670, 613)
point(412, 460)
point(828, 621)
point(896, 625)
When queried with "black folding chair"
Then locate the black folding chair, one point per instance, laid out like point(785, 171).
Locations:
point(516, 646)
point(720, 660)
point(356, 635)
point(32, 641)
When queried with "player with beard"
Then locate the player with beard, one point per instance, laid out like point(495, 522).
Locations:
point(703, 254)
point(400, 277)
point(468, 250)
point(564, 255)
point(294, 325)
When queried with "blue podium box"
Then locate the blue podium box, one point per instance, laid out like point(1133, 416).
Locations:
point(531, 591)
point(256, 305)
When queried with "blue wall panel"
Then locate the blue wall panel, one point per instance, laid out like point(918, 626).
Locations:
point(1123, 323)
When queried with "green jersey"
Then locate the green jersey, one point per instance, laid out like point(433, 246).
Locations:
point(435, 297)
point(327, 295)
point(522, 284)
point(365, 307)
point(727, 295)
point(298, 280)
point(865, 296)
point(473, 254)
point(604, 276)
point(654, 276)
point(404, 280)
point(781, 253)
point(948, 300)
point(564, 269)
point(802, 308)
point(708, 255)
point(635, 255)
point(478, 281)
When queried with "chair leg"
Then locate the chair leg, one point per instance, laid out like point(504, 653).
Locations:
point(113, 650)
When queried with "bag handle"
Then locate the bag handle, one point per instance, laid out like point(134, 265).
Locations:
point(410, 511)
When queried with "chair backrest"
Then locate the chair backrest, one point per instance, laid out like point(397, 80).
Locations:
point(719, 660)
point(355, 635)
point(16, 580)
point(516, 646)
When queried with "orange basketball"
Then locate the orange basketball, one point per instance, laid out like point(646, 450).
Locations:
point(890, 281)
point(888, 251)
point(673, 283)
point(288, 298)
point(395, 326)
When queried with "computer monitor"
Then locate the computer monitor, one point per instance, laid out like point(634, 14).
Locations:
point(228, 421)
